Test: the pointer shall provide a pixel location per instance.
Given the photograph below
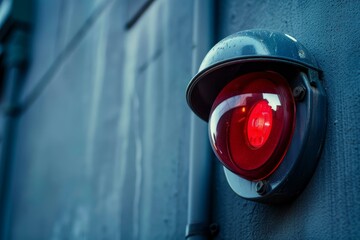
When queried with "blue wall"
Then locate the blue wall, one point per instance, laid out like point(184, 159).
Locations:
point(329, 206)
point(102, 149)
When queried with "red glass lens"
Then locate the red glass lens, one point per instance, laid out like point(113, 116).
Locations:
point(251, 124)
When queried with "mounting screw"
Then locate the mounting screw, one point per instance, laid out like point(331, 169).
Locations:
point(214, 229)
point(299, 93)
point(261, 187)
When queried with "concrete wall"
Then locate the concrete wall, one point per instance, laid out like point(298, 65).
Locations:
point(329, 206)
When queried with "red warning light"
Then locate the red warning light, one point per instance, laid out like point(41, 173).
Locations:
point(251, 124)
point(266, 111)
point(259, 124)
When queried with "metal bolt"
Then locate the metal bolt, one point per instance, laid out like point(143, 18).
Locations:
point(214, 229)
point(261, 187)
point(299, 93)
point(302, 54)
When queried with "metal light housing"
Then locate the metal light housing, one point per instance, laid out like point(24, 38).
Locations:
point(267, 53)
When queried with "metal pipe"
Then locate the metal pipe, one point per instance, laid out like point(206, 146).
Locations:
point(15, 65)
point(200, 154)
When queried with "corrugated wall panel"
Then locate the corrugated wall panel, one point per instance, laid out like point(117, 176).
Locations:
point(102, 149)
point(156, 73)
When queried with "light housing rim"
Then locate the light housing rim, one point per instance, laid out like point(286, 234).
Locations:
point(300, 162)
point(192, 97)
point(264, 45)
point(221, 140)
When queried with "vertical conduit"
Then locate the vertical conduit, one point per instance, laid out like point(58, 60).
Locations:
point(200, 158)
point(15, 60)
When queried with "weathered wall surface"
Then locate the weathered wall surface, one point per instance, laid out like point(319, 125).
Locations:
point(102, 147)
point(329, 206)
